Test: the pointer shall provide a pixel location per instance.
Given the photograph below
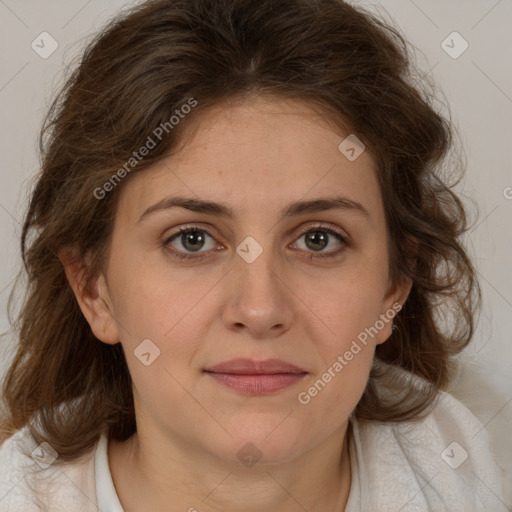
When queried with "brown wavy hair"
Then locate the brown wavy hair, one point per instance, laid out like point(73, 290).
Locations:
point(350, 65)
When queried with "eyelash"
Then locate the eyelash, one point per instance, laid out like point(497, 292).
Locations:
point(200, 256)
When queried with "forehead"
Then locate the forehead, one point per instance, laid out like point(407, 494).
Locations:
point(271, 122)
point(258, 153)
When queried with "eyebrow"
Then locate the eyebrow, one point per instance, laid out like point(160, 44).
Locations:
point(294, 209)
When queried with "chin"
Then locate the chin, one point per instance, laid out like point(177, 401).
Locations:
point(265, 446)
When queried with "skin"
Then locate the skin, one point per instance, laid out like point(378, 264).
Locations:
point(255, 156)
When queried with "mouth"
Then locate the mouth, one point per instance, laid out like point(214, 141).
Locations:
point(252, 377)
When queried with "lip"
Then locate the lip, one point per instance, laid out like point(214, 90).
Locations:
point(256, 377)
point(243, 366)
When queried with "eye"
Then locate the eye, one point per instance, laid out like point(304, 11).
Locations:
point(320, 239)
point(190, 240)
point(193, 242)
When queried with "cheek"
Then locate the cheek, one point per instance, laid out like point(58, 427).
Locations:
point(344, 304)
point(346, 353)
point(175, 311)
point(343, 330)
point(160, 302)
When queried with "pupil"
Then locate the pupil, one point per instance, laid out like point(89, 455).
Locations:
point(316, 237)
point(193, 240)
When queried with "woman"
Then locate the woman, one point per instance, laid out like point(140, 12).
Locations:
point(239, 250)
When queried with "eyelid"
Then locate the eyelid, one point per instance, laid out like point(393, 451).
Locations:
point(207, 228)
point(332, 229)
point(329, 228)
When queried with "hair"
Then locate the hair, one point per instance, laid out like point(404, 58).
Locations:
point(64, 384)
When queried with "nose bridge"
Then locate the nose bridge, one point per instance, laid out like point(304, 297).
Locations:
point(259, 300)
point(254, 268)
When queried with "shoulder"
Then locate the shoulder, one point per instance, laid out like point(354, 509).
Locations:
point(442, 462)
point(33, 478)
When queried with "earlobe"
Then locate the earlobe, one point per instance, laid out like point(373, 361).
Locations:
point(401, 292)
point(93, 300)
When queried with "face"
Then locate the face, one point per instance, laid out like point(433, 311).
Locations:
point(263, 295)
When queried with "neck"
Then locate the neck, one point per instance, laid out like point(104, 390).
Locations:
point(148, 477)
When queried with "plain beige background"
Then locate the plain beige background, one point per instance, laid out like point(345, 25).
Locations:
point(477, 85)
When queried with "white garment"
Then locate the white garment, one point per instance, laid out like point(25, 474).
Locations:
point(395, 467)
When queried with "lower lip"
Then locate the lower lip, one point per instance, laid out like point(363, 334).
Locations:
point(257, 384)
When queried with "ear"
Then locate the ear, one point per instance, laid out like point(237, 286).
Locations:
point(398, 290)
point(94, 300)
point(393, 302)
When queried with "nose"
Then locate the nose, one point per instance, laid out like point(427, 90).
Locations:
point(258, 300)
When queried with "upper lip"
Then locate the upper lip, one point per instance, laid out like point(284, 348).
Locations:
point(252, 367)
